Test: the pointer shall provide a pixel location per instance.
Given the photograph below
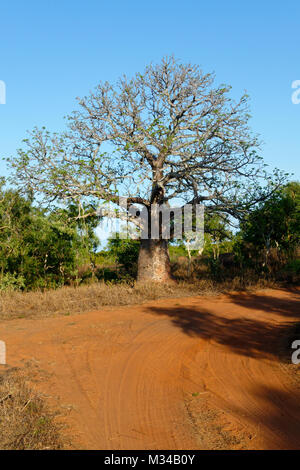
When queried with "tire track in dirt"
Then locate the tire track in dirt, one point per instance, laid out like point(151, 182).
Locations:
point(139, 385)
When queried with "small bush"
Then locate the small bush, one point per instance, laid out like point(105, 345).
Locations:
point(290, 273)
point(11, 282)
point(126, 252)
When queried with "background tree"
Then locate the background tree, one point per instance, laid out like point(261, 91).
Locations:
point(274, 224)
point(125, 252)
point(39, 248)
point(218, 235)
point(168, 134)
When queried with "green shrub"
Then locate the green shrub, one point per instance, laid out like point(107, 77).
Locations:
point(126, 252)
point(11, 282)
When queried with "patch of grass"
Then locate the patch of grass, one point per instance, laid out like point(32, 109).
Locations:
point(26, 423)
point(70, 300)
point(213, 430)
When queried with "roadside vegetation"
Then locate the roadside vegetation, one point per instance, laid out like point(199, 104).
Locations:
point(42, 250)
point(51, 268)
point(26, 422)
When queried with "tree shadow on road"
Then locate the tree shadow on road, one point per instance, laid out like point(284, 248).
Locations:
point(246, 335)
point(276, 416)
point(287, 307)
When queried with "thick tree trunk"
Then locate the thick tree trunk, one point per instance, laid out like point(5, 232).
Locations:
point(154, 261)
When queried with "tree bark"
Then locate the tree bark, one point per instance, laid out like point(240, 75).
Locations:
point(154, 261)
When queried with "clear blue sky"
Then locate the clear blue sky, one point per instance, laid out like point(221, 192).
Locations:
point(53, 51)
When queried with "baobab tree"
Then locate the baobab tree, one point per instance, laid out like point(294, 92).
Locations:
point(167, 134)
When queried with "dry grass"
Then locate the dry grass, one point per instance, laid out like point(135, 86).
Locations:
point(26, 423)
point(73, 300)
point(213, 429)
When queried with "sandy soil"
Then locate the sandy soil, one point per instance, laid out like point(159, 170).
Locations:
point(188, 373)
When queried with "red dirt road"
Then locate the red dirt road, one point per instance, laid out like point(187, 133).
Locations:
point(126, 375)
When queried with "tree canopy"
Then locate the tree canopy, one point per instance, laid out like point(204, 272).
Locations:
point(168, 134)
point(275, 223)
